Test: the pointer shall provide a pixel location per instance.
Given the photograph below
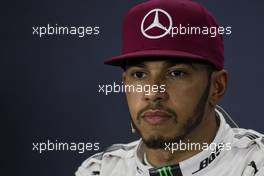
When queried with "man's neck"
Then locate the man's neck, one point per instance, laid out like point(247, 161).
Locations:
point(204, 133)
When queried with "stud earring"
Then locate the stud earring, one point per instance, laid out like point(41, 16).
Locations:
point(133, 130)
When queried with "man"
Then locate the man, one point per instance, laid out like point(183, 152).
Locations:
point(172, 46)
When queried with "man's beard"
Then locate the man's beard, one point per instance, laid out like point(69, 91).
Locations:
point(158, 142)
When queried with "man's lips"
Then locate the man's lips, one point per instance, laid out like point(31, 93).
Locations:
point(155, 117)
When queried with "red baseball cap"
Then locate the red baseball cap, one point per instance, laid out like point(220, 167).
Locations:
point(170, 29)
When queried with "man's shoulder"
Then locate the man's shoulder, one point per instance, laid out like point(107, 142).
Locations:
point(248, 150)
point(92, 165)
point(247, 137)
point(248, 144)
point(121, 150)
point(246, 131)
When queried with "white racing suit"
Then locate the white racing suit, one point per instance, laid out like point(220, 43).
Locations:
point(245, 157)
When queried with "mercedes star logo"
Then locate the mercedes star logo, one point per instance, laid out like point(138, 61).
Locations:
point(156, 23)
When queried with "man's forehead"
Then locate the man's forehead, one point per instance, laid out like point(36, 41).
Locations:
point(162, 62)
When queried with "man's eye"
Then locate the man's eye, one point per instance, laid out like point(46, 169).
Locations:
point(139, 75)
point(177, 73)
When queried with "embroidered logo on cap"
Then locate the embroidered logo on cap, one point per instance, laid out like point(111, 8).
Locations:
point(156, 23)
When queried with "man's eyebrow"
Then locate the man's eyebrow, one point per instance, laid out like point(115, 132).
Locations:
point(175, 63)
point(135, 64)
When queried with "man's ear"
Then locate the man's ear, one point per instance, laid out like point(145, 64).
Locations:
point(219, 81)
point(124, 77)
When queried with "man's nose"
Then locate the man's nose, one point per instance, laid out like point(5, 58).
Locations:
point(157, 92)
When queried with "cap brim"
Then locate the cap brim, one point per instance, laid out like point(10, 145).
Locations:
point(164, 54)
